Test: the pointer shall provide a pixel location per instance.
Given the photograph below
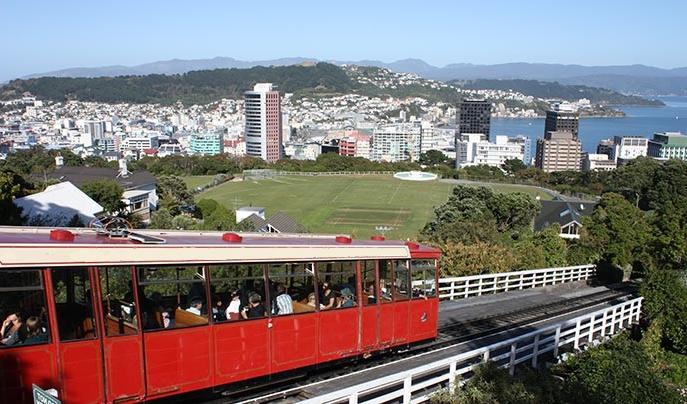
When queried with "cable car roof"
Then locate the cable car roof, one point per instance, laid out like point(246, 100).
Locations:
point(42, 246)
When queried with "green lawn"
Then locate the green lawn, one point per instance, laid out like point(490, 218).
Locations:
point(194, 181)
point(352, 205)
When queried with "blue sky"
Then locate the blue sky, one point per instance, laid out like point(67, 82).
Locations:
point(39, 36)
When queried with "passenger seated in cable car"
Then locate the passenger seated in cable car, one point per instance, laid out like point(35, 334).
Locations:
point(347, 298)
point(284, 302)
point(371, 295)
point(218, 313)
point(234, 308)
point(196, 306)
point(11, 331)
point(311, 300)
point(255, 308)
point(35, 332)
point(328, 300)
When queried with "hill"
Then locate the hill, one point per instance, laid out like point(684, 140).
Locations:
point(633, 79)
point(552, 90)
point(196, 87)
point(206, 86)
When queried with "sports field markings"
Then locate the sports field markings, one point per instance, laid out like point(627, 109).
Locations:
point(342, 191)
point(398, 186)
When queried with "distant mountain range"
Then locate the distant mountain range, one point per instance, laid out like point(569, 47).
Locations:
point(630, 79)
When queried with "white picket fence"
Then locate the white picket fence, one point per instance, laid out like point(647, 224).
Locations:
point(418, 384)
point(477, 285)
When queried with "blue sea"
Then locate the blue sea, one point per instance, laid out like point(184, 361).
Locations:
point(642, 121)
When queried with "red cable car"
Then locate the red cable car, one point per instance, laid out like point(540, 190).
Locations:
point(146, 316)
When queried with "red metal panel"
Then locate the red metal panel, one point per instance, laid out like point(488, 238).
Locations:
point(81, 372)
point(241, 350)
point(294, 341)
point(20, 367)
point(386, 324)
point(369, 338)
point(338, 333)
point(424, 314)
point(177, 360)
point(401, 328)
point(124, 368)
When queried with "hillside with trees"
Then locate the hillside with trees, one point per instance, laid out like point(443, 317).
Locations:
point(555, 90)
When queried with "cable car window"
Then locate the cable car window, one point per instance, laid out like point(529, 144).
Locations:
point(423, 274)
point(369, 283)
point(337, 281)
point(394, 279)
point(291, 288)
point(172, 297)
point(22, 308)
point(119, 306)
point(74, 303)
point(238, 292)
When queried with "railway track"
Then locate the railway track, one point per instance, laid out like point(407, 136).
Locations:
point(292, 389)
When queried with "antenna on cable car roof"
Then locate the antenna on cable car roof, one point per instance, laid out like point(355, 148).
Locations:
point(118, 227)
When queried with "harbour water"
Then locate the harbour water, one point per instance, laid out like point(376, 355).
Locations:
point(642, 121)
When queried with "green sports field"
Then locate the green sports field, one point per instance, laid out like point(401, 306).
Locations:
point(353, 205)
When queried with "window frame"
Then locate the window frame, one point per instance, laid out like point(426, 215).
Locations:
point(101, 295)
point(46, 304)
point(265, 296)
point(318, 273)
point(425, 279)
point(94, 316)
point(315, 287)
point(140, 293)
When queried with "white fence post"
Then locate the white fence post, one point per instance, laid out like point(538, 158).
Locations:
point(407, 389)
point(511, 362)
point(535, 351)
point(577, 335)
point(452, 376)
point(556, 341)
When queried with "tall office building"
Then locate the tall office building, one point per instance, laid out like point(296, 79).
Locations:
point(263, 122)
point(562, 117)
point(474, 116)
point(558, 151)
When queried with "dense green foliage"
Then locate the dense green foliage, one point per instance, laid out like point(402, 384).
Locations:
point(108, 193)
point(555, 90)
point(482, 231)
point(12, 185)
point(619, 371)
point(196, 87)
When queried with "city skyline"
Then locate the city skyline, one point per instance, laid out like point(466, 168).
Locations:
point(82, 34)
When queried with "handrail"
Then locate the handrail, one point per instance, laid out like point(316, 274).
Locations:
point(477, 285)
point(403, 386)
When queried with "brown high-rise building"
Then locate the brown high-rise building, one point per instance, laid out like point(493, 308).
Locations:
point(562, 118)
point(558, 151)
point(263, 122)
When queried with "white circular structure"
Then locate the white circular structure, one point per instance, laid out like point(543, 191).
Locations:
point(415, 176)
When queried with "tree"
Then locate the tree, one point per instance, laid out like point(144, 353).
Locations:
point(173, 193)
point(479, 213)
point(665, 296)
point(512, 166)
point(618, 371)
point(433, 157)
point(619, 232)
point(107, 193)
point(459, 259)
point(12, 185)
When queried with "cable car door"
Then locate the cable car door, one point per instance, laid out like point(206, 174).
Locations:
point(122, 341)
point(79, 349)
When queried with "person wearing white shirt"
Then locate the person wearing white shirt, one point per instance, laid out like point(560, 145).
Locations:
point(234, 307)
point(196, 307)
point(284, 302)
